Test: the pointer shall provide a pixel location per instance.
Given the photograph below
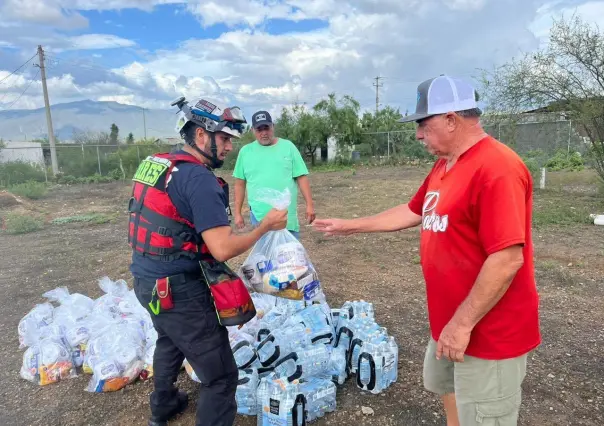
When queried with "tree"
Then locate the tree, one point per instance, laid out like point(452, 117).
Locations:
point(130, 139)
point(306, 129)
point(341, 117)
point(565, 76)
point(114, 135)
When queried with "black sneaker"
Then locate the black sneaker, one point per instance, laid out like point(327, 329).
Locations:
point(183, 403)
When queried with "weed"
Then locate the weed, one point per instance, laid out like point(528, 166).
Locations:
point(21, 224)
point(30, 189)
point(95, 218)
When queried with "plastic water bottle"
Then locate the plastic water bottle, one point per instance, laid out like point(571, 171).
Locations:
point(283, 405)
point(320, 396)
point(243, 351)
point(247, 388)
point(368, 333)
point(337, 365)
point(357, 308)
point(273, 320)
point(371, 368)
point(262, 396)
point(392, 360)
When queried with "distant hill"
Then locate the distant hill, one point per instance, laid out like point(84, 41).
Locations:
point(88, 116)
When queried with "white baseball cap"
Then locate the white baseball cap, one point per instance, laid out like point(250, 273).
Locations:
point(441, 95)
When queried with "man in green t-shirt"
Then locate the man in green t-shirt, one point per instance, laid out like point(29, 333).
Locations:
point(270, 162)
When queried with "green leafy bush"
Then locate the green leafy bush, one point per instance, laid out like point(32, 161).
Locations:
point(565, 161)
point(21, 224)
point(31, 189)
point(15, 172)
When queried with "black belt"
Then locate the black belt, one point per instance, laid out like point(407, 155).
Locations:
point(180, 284)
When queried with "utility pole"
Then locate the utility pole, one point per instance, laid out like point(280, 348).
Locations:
point(144, 123)
point(377, 85)
point(51, 133)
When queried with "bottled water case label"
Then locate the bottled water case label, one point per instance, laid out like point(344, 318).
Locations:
point(274, 406)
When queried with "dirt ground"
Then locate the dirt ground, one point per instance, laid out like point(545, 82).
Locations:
point(565, 381)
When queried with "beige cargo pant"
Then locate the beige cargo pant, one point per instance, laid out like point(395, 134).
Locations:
point(487, 393)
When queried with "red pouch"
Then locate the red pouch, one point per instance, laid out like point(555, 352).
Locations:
point(232, 301)
point(164, 293)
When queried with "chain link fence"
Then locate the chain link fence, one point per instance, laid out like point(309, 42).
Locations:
point(537, 141)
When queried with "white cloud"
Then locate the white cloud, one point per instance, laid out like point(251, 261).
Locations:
point(405, 41)
point(593, 11)
point(98, 41)
point(48, 12)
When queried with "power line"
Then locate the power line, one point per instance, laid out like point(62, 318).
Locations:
point(23, 92)
point(27, 62)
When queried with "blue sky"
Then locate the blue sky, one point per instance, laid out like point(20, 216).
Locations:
point(261, 53)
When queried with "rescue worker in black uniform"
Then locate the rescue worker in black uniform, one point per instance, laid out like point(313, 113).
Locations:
point(179, 209)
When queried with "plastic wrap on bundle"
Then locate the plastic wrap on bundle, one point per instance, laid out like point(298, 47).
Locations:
point(319, 397)
point(337, 365)
point(242, 345)
point(317, 322)
point(32, 325)
point(281, 342)
point(246, 397)
point(377, 366)
point(48, 361)
point(274, 319)
point(303, 363)
point(278, 264)
point(282, 403)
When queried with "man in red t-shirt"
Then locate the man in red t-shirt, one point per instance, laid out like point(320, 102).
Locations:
point(475, 211)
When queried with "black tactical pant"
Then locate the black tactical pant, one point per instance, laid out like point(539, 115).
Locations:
point(191, 329)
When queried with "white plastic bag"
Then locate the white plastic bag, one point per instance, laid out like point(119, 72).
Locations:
point(115, 357)
point(115, 302)
point(278, 263)
point(33, 323)
point(48, 361)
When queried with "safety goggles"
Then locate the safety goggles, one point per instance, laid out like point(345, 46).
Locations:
point(233, 115)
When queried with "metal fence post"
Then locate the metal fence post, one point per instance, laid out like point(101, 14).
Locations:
point(388, 144)
point(98, 157)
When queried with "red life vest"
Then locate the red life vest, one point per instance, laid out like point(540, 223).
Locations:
point(156, 230)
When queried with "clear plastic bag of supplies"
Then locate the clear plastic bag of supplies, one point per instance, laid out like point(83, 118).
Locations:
point(278, 264)
point(115, 356)
point(47, 361)
point(116, 301)
point(32, 325)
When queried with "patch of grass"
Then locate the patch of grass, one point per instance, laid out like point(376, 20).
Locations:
point(330, 167)
point(95, 218)
point(30, 189)
point(559, 208)
point(21, 224)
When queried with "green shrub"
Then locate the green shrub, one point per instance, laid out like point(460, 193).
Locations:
point(115, 174)
point(32, 189)
point(16, 172)
point(565, 161)
point(96, 218)
point(22, 224)
point(533, 165)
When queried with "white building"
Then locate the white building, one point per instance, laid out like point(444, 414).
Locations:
point(332, 151)
point(30, 152)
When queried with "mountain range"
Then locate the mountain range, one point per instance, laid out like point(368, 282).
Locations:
point(87, 116)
